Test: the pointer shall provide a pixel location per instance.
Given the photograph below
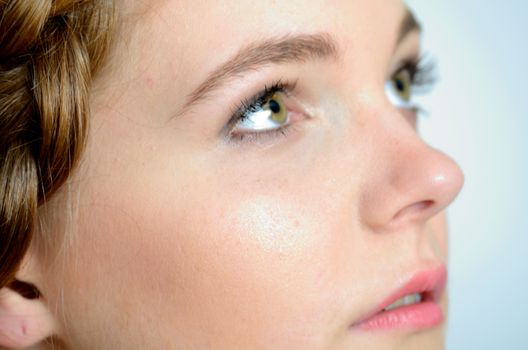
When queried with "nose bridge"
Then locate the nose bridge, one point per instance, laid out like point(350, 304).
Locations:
point(408, 182)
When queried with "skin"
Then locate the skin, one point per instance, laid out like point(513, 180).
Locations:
point(180, 239)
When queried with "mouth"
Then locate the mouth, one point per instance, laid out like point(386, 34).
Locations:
point(414, 306)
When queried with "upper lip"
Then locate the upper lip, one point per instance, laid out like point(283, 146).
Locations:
point(429, 283)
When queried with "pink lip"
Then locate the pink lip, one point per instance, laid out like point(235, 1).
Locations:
point(426, 314)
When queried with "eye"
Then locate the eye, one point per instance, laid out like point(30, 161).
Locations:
point(268, 114)
point(265, 115)
point(412, 78)
point(399, 88)
point(402, 82)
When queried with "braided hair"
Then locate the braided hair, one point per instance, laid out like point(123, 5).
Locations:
point(50, 51)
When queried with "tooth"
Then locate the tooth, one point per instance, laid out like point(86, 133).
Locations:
point(406, 300)
point(394, 305)
point(410, 299)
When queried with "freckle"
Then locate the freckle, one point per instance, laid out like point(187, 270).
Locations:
point(296, 223)
point(149, 82)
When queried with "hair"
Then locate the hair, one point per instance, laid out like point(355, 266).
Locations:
point(50, 51)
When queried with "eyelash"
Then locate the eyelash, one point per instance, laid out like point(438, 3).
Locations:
point(252, 104)
point(422, 71)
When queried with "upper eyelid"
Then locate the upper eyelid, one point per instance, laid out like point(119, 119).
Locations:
point(251, 101)
point(237, 111)
point(284, 86)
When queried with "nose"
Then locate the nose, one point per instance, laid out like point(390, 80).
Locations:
point(409, 183)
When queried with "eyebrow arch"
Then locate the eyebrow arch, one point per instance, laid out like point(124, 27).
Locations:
point(284, 49)
point(409, 24)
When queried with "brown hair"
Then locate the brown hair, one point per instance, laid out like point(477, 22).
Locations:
point(49, 53)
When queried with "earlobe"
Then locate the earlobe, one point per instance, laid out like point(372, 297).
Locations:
point(24, 321)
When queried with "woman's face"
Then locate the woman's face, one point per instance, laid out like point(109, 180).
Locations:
point(287, 228)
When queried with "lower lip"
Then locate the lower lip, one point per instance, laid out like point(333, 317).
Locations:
point(419, 316)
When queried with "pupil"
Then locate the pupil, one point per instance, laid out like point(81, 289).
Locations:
point(399, 85)
point(274, 106)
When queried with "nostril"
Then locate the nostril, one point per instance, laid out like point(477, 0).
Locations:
point(26, 290)
point(414, 209)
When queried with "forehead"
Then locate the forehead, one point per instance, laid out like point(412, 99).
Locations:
point(189, 39)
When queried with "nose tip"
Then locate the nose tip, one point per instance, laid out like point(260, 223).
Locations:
point(434, 188)
point(415, 183)
point(446, 180)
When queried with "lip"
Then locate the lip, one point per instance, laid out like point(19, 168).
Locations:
point(426, 314)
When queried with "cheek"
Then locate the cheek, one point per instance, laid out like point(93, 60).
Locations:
point(257, 251)
point(272, 226)
point(229, 267)
point(250, 269)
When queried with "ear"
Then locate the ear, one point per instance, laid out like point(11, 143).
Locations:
point(24, 319)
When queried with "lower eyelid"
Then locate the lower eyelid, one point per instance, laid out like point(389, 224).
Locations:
point(268, 137)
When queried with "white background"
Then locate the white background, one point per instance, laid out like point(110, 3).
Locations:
point(479, 116)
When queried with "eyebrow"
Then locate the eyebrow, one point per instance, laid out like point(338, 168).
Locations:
point(284, 49)
point(409, 24)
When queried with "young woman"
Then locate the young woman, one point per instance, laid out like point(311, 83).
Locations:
point(218, 175)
